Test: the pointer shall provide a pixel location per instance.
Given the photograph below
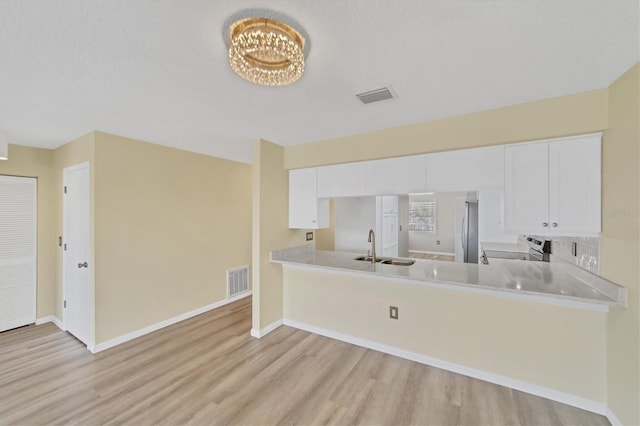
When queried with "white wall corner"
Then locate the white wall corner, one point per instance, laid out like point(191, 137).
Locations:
point(613, 419)
point(53, 319)
point(268, 329)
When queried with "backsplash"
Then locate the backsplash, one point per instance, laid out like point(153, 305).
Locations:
point(587, 252)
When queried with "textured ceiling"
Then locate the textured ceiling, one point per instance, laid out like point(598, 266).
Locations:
point(158, 70)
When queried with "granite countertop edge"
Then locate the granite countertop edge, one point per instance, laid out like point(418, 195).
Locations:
point(608, 293)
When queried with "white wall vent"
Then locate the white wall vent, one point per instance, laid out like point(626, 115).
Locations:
point(237, 281)
point(375, 95)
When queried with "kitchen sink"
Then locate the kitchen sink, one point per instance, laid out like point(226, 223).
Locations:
point(398, 262)
point(387, 260)
point(368, 259)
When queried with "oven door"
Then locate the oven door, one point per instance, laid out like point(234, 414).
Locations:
point(535, 255)
point(495, 254)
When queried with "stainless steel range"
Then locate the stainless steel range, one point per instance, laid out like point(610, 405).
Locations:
point(539, 248)
point(529, 247)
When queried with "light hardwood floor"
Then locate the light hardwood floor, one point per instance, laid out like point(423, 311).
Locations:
point(208, 370)
point(430, 256)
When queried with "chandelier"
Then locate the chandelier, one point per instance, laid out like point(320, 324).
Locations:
point(266, 52)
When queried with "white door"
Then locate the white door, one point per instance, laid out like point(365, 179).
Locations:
point(574, 185)
point(526, 188)
point(18, 219)
point(387, 225)
point(76, 267)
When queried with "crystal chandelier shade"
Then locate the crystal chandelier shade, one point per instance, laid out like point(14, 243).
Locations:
point(266, 52)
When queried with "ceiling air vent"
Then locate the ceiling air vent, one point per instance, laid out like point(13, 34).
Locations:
point(375, 95)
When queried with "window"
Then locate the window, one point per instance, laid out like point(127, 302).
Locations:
point(422, 216)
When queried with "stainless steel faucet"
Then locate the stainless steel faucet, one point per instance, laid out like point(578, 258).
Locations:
point(372, 240)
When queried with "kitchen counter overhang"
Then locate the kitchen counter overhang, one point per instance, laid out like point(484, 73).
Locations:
point(553, 283)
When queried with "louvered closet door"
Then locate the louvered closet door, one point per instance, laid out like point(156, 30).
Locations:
point(18, 197)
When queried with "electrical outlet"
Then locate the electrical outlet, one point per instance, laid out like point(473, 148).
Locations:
point(309, 236)
point(393, 312)
point(438, 242)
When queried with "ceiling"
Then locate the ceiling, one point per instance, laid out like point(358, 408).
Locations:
point(158, 70)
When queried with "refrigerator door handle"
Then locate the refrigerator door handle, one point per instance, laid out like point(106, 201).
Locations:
point(463, 234)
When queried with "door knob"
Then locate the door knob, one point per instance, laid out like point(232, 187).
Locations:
point(545, 224)
point(83, 265)
point(554, 224)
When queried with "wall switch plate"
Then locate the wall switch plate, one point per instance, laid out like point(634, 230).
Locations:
point(309, 236)
point(393, 312)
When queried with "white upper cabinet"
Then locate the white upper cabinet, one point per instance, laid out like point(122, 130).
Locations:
point(575, 185)
point(479, 169)
point(402, 175)
point(342, 180)
point(306, 210)
point(553, 187)
point(526, 188)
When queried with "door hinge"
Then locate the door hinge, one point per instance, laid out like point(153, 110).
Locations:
point(65, 303)
point(65, 189)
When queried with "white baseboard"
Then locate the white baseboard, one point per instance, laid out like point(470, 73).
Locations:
point(555, 395)
point(442, 253)
point(157, 326)
point(268, 329)
point(53, 319)
point(613, 419)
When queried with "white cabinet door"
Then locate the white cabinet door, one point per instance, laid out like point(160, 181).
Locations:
point(306, 211)
point(466, 170)
point(526, 180)
point(574, 185)
point(402, 175)
point(342, 180)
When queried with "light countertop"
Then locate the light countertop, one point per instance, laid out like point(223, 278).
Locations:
point(555, 281)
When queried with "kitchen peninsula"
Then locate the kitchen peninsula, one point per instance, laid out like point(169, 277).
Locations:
point(533, 326)
point(558, 283)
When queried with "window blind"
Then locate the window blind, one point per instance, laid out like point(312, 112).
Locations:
point(422, 216)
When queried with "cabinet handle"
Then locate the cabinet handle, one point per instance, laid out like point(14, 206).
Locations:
point(554, 224)
point(545, 224)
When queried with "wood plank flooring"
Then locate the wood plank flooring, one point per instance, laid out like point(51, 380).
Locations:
point(429, 256)
point(208, 370)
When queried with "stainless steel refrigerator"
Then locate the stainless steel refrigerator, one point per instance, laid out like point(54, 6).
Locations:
point(467, 232)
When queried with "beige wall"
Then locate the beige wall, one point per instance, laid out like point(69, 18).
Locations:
point(557, 347)
point(620, 242)
point(270, 231)
point(168, 224)
point(34, 162)
point(445, 225)
point(567, 115)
